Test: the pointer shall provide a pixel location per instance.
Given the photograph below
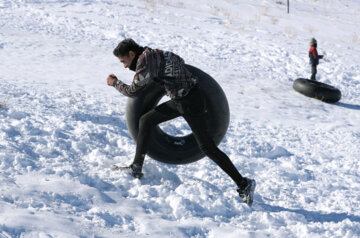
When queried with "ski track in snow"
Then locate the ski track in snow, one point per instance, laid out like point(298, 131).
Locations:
point(62, 127)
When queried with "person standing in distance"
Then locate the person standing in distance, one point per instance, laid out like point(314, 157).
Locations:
point(314, 58)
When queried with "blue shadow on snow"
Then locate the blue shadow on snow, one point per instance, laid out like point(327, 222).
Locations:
point(349, 106)
point(313, 216)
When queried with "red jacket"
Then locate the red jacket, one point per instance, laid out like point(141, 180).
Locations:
point(314, 56)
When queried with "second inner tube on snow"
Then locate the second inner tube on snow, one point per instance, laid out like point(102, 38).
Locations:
point(180, 150)
point(318, 90)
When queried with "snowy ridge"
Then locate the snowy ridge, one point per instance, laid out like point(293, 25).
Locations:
point(62, 127)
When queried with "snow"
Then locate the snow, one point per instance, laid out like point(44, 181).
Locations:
point(62, 127)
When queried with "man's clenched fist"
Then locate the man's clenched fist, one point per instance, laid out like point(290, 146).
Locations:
point(111, 79)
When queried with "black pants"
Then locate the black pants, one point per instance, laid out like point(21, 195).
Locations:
point(192, 108)
point(313, 72)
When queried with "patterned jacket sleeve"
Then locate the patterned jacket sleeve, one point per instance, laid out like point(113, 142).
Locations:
point(140, 81)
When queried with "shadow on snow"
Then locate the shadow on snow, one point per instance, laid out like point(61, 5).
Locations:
point(349, 106)
point(313, 216)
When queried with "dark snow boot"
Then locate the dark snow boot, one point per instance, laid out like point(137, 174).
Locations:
point(247, 193)
point(134, 170)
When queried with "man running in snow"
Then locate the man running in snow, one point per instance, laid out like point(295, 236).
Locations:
point(314, 58)
point(186, 100)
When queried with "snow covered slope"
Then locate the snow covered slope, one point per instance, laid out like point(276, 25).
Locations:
point(62, 127)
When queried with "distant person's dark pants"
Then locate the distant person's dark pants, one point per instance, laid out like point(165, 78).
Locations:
point(192, 108)
point(313, 72)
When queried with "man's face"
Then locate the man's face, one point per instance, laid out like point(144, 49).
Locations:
point(127, 60)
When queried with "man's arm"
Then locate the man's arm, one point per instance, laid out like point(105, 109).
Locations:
point(141, 79)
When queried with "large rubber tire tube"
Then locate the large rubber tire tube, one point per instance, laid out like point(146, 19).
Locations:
point(316, 89)
point(180, 150)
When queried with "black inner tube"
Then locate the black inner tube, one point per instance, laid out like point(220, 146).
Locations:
point(183, 149)
point(318, 90)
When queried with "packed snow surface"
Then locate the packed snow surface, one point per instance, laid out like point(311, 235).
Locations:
point(62, 127)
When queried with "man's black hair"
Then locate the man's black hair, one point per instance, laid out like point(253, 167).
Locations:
point(125, 46)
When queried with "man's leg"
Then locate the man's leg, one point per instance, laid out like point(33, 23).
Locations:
point(246, 186)
point(193, 109)
point(208, 146)
point(147, 123)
